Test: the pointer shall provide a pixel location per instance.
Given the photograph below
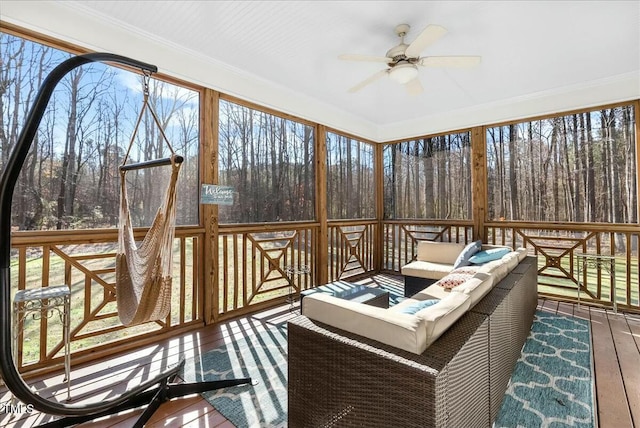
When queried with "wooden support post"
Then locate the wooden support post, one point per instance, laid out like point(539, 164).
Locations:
point(209, 213)
point(322, 254)
point(636, 116)
point(378, 243)
point(479, 180)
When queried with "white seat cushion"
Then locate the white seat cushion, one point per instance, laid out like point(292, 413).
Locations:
point(429, 270)
point(403, 331)
point(439, 252)
point(441, 316)
point(476, 287)
point(522, 253)
point(433, 291)
point(497, 268)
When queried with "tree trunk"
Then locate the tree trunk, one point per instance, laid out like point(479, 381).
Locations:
point(577, 197)
point(591, 182)
point(427, 160)
point(513, 176)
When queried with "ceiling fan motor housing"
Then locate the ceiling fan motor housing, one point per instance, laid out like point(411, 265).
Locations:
point(397, 53)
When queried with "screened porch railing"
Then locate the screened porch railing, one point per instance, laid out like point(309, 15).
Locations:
point(86, 262)
point(252, 272)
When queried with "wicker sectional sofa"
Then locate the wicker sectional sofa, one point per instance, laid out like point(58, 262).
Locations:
point(342, 379)
point(433, 261)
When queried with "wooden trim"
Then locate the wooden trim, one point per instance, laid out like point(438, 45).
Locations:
point(478, 181)
point(356, 222)
point(438, 134)
point(587, 227)
point(322, 254)
point(209, 174)
point(266, 227)
point(264, 109)
point(74, 49)
point(36, 37)
point(351, 136)
point(429, 222)
point(562, 113)
point(85, 236)
point(636, 117)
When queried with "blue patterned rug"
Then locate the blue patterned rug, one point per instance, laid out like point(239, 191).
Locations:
point(552, 384)
point(262, 356)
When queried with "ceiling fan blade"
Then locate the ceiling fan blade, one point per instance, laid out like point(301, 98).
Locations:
point(427, 37)
point(370, 58)
point(371, 79)
point(414, 87)
point(450, 61)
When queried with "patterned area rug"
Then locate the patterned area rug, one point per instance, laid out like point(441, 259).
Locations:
point(552, 384)
point(263, 358)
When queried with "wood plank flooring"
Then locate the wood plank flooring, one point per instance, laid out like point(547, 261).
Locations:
point(616, 357)
point(615, 344)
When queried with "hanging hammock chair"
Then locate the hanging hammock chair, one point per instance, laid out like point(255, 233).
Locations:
point(143, 272)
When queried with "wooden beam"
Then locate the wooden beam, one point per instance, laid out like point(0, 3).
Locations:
point(636, 117)
point(479, 180)
point(378, 243)
point(209, 213)
point(322, 259)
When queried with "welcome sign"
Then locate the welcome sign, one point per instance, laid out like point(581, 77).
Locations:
point(214, 194)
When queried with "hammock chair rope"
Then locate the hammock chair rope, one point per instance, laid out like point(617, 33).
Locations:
point(143, 272)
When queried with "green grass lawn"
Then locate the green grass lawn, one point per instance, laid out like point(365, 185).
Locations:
point(621, 283)
point(81, 288)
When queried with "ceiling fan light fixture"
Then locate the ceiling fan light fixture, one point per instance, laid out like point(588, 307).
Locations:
point(403, 73)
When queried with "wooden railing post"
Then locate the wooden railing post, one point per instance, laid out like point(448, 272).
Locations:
point(322, 255)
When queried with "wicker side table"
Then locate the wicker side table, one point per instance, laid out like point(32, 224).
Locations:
point(42, 302)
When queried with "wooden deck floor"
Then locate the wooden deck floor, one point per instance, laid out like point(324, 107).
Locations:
point(616, 353)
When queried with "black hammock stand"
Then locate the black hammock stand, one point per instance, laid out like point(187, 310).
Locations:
point(154, 391)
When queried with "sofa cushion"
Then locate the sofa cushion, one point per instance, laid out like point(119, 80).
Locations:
point(433, 291)
point(497, 268)
point(467, 253)
point(467, 270)
point(453, 280)
point(403, 331)
point(491, 254)
point(522, 253)
point(439, 317)
point(476, 287)
point(416, 306)
point(424, 269)
point(439, 252)
point(511, 260)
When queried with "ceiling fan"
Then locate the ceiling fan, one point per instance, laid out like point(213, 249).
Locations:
point(403, 60)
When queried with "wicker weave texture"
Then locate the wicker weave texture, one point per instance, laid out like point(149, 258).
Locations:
point(502, 339)
point(339, 379)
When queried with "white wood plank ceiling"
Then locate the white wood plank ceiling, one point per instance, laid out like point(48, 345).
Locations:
point(537, 56)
